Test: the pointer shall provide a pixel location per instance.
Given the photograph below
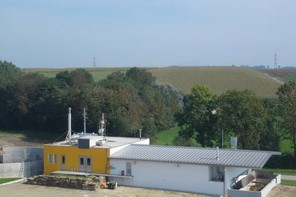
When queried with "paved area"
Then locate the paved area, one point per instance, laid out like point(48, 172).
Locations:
point(289, 177)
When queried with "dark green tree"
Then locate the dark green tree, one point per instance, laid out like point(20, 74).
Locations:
point(242, 114)
point(287, 96)
point(198, 118)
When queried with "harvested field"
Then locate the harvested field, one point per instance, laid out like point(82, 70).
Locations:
point(218, 78)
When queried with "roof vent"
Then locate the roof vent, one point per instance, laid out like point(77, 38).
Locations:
point(233, 142)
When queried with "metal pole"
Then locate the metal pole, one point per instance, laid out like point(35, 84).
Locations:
point(84, 120)
point(222, 138)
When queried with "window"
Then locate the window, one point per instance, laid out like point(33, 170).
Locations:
point(53, 159)
point(81, 161)
point(88, 161)
point(128, 168)
point(49, 158)
point(63, 159)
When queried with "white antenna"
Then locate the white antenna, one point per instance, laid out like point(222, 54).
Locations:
point(84, 120)
point(217, 157)
point(69, 124)
point(102, 126)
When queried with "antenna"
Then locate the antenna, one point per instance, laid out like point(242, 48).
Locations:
point(275, 64)
point(84, 120)
point(69, 124)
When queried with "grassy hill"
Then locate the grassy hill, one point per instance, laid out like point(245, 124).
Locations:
point(218, 78)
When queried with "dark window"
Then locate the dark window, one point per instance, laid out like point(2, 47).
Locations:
point(88, 161)
point(81, 161)
point(63, 159)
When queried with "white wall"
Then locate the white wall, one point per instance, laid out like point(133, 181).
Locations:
point(230, 173)
point(170, 176)
point(18, 154)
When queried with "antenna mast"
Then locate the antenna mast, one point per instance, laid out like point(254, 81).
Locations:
point(275, 61)
point(94, 61)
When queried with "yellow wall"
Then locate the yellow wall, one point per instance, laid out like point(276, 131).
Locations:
point(99, 158)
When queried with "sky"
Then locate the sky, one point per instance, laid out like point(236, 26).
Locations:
point(156, 33)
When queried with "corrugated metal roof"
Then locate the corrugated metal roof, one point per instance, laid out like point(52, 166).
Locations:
point(193, 155)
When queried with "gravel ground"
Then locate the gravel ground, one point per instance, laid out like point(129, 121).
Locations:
point(24, 190)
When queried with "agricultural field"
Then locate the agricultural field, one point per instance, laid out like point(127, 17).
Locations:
point(97, 73)
point(218, 78)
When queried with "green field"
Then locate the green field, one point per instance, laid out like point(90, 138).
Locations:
point(166, 137)
point(218, 78)
point(6, 180)
point(288, 182)
point(289, 78)
point(97, 73)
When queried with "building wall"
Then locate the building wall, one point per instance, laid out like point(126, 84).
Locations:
point(99, 163)
point(26, 169)
point(170, 176)
point(21, 154)
point(230, 174)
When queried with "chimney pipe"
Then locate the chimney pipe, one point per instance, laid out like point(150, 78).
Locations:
point(140, 134)
point(69, 125)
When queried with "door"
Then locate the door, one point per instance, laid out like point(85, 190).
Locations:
point(63, 162)
point(85, 164)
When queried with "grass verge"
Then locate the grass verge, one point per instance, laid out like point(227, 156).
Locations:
point(166, 137)
point(288, 182)
point(6, 180)
point(282, 171)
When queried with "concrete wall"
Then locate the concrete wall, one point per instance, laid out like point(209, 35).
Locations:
point(170, 176)
point(26, 169)
point(20, 154)
point(263, 193)
point(231, 174)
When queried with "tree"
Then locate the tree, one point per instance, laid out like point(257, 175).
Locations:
point(287, 97)
point(8, 73)
point(197, 118)
point(242, 114)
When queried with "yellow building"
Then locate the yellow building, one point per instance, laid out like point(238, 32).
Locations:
point(85, 153)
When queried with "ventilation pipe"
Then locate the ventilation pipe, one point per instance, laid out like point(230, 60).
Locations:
point(140, 134)
point(69, 125)
point(102, 126)
point(84, 120)
point(233, 142)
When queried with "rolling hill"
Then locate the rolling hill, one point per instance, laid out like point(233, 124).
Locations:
point(218, 78)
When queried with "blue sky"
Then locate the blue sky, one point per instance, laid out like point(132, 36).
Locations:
point(70, 33)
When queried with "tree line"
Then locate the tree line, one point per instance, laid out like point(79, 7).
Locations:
point(130, 101)
point(259, 124)
point(135, 100)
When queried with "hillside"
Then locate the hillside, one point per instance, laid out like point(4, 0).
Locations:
point(220, 79)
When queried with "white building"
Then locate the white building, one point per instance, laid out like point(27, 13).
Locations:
point(198, 170)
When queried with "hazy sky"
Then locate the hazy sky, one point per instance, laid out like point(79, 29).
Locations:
point(69, 33)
